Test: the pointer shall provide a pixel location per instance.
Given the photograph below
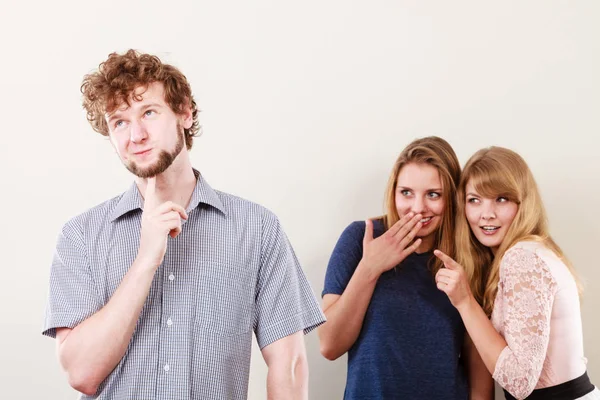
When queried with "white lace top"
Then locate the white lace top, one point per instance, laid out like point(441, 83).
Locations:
point(537, 312)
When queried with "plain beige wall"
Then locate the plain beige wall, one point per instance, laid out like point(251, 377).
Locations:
point(305, 108)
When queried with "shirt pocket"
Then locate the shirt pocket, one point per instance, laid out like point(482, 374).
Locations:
point(225, 299)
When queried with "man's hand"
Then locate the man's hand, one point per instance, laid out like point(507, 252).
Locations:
point(158, 221)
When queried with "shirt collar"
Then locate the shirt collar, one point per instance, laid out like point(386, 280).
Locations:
point(132, 200)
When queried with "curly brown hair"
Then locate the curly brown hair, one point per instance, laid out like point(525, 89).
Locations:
point(117, 78)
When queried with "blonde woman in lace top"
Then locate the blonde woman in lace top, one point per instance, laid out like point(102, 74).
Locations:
point(508, 263)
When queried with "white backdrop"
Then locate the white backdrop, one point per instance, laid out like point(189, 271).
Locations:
point(305, 107)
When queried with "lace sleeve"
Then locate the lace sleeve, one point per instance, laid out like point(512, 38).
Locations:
point(527, 291)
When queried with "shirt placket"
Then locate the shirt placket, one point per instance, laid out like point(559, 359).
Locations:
point(167, 367)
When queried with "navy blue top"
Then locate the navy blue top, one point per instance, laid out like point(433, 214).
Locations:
point(411, 339)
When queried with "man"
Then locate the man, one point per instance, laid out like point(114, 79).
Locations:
point(155, 293)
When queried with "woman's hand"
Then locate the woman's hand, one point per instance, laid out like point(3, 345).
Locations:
point(391, 248)
point(453, 281)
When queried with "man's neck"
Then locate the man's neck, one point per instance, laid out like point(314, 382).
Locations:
point(176, 184)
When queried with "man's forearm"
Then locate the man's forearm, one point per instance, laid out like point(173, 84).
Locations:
point(288, 381)
point(91, 350)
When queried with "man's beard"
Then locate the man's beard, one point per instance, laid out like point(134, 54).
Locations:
point(165, 159)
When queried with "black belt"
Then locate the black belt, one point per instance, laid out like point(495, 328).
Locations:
point(569, 390)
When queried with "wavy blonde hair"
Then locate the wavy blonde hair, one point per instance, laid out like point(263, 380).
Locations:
point(437, 152)
point(495, 172)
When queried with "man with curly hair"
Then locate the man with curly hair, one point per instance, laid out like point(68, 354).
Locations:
point(155, 293)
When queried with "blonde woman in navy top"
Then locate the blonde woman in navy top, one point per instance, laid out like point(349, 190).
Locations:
point(403, 337)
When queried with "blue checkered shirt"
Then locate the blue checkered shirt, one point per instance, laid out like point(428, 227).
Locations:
point(229, 273)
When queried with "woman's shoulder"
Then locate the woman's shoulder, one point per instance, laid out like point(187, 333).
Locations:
point(525, 247)
point(532, 250)
point(529, 259)
point(524, 251)
point(542, 258)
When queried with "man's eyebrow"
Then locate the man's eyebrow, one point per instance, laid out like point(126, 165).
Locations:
point(150, 105)
point(112, 116)
point(117, 113)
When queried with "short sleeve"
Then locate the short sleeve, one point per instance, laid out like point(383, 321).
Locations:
point(72, 295)
point(285, 302)
point(527, 290)
point(344, 259)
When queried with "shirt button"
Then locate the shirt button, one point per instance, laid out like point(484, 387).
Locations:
point(167, 368)
point(171, 277)
point(169, 322)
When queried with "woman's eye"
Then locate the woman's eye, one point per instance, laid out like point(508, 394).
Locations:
point(472, 200)
point(502, 199)
point(434, 195)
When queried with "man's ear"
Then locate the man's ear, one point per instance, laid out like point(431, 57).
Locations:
point(188, 118)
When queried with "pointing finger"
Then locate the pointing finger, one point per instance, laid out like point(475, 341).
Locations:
point(448, 261)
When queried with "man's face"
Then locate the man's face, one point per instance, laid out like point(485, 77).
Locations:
point(147, 135)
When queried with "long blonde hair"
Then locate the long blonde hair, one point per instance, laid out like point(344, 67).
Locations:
point(495, 172)
point(437, 152)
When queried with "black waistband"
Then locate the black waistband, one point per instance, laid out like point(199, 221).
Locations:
point(569, 390)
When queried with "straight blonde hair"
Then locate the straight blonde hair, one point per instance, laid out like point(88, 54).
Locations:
point(495, 172)
point(437, 152)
